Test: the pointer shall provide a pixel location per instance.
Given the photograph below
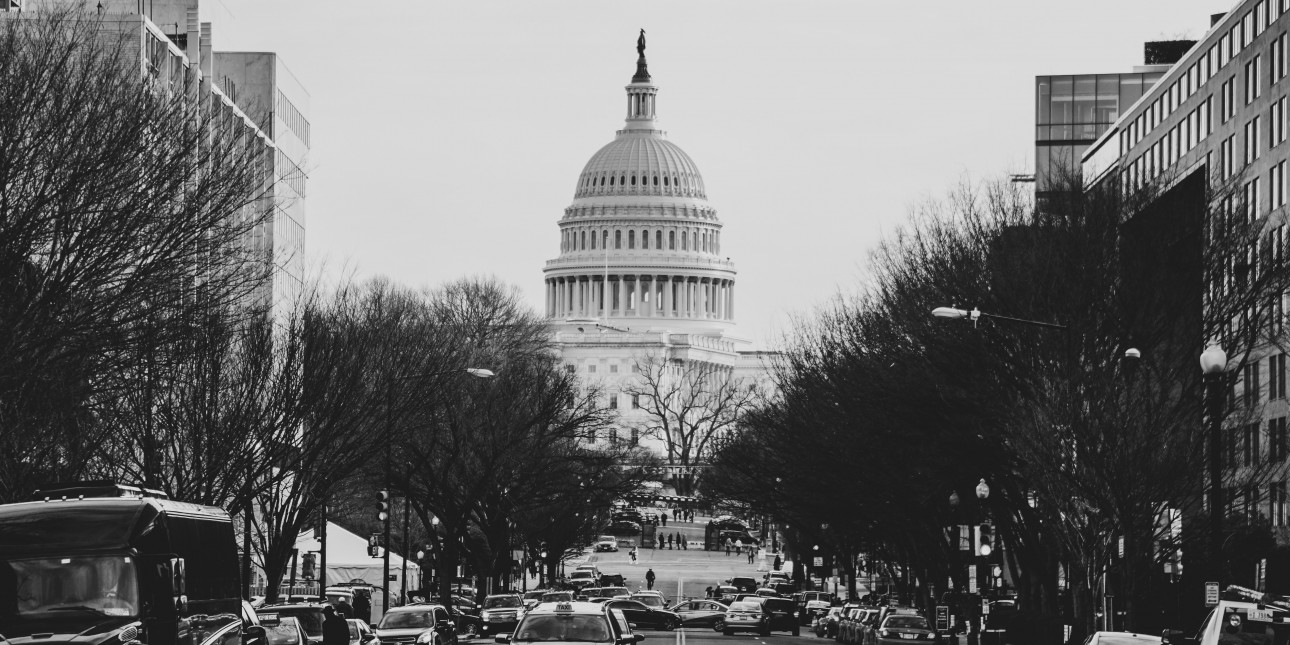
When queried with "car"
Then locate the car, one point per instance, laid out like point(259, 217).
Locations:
point(702, 613)
point(584, 578)
point(865, 623)
point(572, 622)
point(650, 599)
point(422, 624)
point(531, 598)
point(500, 615)
point(826, 626)
point(745, 615)
point(725, 594)
point(746, 585)
point(557, 596)
point(360, 633)
point(766, 592)
point(849, 624)
point(782, 615)
point(606, 543)
point(628, 515)
point(641, 615)
point(811, 605)
point(615, 592)
point(284, 630)
point(587, 593)
point(900, 627)
point(1121, 638)
point(624, 527)
point(310, 616)
point(612, 580)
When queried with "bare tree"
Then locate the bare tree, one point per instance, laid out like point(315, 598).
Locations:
point(690, 405)
point(127, 198)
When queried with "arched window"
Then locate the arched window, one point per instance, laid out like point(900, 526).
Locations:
point(633, 180)
point(611, 181)
point(584, 240)
point(671, 240)
point(622, 181)
point(602, 181)
point(685, 241)
point(593, 240)
point(658, 239)
point(618, 239)
point(631, 239)
point(665, 180)
point(705, 242)
point(655, 180)
point(644, 239)
point(694, 240)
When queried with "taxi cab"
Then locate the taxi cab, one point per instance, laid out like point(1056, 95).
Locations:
point(572, 622)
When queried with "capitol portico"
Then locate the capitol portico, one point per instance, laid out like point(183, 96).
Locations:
point(641, 273)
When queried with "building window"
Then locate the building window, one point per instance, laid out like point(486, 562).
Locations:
point(1250, 392)
point(1277, 192)
point(618, 239)
point(631, 239)
point(1227, 94)
point(636, 369)
point(644, 239)
point(613, 401)
point(1277, 58)
point(569, 368)
point(1277, 440)
point(1252, 140)
point(658, 239)
point(1253, 88)
point(613, 369)
point(1277, 376)
point(671, 240)
point(636, 401)
point(591, 369)
point(1277, 492)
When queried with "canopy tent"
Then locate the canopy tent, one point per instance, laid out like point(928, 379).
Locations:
point(349, 562)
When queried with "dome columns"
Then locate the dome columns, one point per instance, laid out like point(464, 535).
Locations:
point(641, 296)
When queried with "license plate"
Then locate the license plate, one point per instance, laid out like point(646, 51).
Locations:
point(1261, 615)
point(909, 636)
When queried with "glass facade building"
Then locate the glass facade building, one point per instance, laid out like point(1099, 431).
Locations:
point(1071, 112)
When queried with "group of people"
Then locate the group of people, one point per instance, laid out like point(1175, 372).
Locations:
point(672, 541)
point(738, 546)
point(676, 515)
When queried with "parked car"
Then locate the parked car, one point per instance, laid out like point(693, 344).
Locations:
point(826, 626)
point(866, 623)
point(360, 633)
point(310, 616)
point(897, 628)
point(641, 615)
point(702, 613)
point(606, 543)
point(848, 624)
point(420, 622)
point(284, 630)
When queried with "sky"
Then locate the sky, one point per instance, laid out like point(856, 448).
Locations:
point(448, 135)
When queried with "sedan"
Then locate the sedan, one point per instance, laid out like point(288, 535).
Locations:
point(286, 631)
point(898, 628)
point(702, 613)
point(746, 616)
point(639, 615)
point(360, 633)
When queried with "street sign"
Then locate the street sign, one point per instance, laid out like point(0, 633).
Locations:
point(942, 618)
point(1211, 594)
point(819, 561)
point(393, 577)
point(971, 579)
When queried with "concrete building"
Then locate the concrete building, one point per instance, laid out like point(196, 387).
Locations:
point(255, 89)
point(642, 277)
point(1216, 121)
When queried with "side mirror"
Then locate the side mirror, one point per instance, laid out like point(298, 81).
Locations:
point(502, 638)
point(445, 624)
point(254, 635)
point(369, 637)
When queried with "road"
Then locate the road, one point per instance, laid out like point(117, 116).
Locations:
point(692, 636)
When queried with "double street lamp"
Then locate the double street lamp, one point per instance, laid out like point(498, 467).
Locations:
point(389, 434)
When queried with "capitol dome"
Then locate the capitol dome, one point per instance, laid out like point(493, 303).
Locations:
point(640, 162)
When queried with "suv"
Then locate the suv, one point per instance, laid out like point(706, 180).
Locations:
point(581, 578)
point(606, 543)
point(746, 585)
point(572, 622)
point(422, 624)
point(781, 615)
point(500, 615)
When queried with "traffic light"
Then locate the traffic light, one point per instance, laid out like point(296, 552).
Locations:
point(984, 540)
point(308, 570)
point(383, 505)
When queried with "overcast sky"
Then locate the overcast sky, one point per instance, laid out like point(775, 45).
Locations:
point(448, 136)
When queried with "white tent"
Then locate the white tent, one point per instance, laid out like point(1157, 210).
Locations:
point(348, 561)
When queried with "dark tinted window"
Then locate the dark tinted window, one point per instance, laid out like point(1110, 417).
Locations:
point(778, 604)
point(908, 622)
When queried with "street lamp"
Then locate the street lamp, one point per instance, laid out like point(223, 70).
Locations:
point(389, 433)
point(1213, 362)
point(982, 490)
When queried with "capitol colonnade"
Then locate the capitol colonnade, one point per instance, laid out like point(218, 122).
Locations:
point(641, 296)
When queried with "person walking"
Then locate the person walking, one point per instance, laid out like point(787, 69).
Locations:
point(363, 605)
point(750, 555)
point(633, 555)
point(663, 516)
point(345, 609)
point(649, 579)
point(778, 563)
point(335, 629)
point(728, 547)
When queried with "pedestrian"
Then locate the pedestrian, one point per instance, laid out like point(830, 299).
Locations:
point(778, 563)
point(727, 547)
point(649, 579)
point(343, 608)
point(668, 541)
point(363, 606)
point(750, 555)
point(663, 516)
point(334, 628)
point(707, 592)
point(633, 555)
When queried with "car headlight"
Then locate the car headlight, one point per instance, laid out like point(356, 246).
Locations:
point(484, 615)
point(883, 633)
point(425, 637)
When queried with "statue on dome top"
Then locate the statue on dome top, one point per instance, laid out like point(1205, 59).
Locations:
point(642, 69)
point(640, 43)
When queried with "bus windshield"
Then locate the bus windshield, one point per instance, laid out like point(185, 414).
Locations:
point(44, 587)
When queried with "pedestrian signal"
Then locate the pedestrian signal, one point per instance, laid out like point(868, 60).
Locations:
point(308, 569)
point(985, 540)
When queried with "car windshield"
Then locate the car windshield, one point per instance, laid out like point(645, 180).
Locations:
point(493, 602)
point(652, 601)
point(557, 596)
point(564, 628)
point(907, 622)
point(745, 606)
point(613, 591)
point(406, 620)
point(310, 618)
point(44, 587)
point(582, 574)
point(287, 632)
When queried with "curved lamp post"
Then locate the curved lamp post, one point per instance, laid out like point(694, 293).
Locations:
point(1213, 363)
